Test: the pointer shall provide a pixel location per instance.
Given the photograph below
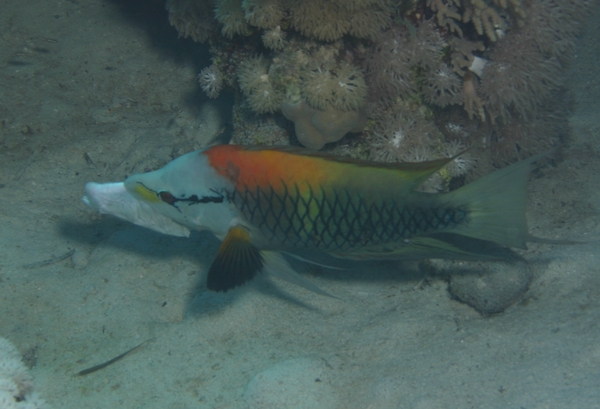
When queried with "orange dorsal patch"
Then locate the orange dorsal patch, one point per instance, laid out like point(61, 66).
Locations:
point(267, 167)
point(263, 167)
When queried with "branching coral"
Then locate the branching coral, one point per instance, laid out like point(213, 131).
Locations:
point(471, 100)
point(486, 19)
point(486, 16)
point(462, 54)
point(447, 14)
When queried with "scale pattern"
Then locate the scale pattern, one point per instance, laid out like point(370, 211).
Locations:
point(336, 219)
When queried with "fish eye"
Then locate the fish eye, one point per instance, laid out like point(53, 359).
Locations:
point(167, 197)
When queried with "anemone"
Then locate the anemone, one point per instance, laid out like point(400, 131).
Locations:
point(404, 135)
point(323, 20)
point(192, 18)
point(265, 98)
point(519, 77)
point(317, 87)
point(349, 88)
point(461, 164)
point(554, 25)
point(370, 22)
point(442, 87)
point(254, 80)
point(230, 14)
point(426, 46)
point(211, 81)
point(274, 39)
point(387, 146)
point(388, 68)
point(251, 73)
point(263, 13)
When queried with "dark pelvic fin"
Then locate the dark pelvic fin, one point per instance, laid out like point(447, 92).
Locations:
point(237, 261)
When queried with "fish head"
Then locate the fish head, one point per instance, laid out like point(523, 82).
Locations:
point(114, 199)
point(187, 194)
point(188, 191)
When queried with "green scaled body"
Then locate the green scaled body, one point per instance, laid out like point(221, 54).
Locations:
point(292, 199)
point(336, 220)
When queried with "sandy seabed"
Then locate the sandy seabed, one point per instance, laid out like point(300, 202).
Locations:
point(95, 90)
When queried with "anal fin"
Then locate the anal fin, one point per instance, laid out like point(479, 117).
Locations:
point(277, 266)
point(237, 261)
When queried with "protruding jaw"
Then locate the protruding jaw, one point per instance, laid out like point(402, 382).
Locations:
point(115, 199)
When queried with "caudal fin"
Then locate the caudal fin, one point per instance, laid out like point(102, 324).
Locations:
point(497, 204)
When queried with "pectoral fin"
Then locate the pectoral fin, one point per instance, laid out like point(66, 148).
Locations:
point(237, 261)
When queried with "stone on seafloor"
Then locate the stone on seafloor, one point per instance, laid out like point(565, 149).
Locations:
point(490, 287)
point(299, 383)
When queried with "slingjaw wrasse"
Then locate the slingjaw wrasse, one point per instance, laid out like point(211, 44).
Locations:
point(263, 201)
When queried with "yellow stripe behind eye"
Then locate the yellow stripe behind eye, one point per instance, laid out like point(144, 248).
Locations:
point(146, 194)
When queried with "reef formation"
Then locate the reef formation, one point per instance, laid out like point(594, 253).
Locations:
point(413, 79)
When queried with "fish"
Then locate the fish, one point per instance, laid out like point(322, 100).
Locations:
point(263, 202)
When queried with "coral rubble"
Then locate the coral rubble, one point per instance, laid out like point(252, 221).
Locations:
point(16, 384)
point(405, 74)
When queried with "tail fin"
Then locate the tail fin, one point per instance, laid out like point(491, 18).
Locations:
point(497, 204)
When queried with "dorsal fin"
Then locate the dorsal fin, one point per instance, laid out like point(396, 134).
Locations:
point(253, 167)
point(412, 175)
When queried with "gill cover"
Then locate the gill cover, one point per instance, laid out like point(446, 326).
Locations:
point(188, 191)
